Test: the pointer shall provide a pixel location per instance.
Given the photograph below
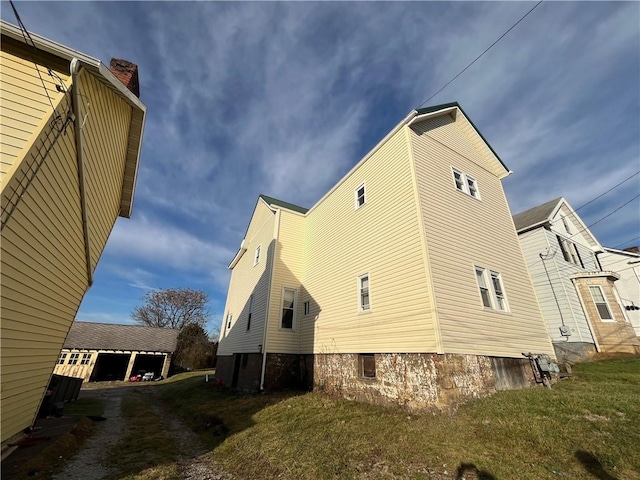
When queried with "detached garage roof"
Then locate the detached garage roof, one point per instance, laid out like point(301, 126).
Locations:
point(108, 336)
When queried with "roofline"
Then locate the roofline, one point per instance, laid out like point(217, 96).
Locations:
point(97, 68)
point(621, 252)
point(457, 105)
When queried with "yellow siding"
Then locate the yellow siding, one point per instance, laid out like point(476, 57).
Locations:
point(381, 238)
point(248, 279)
point(462, 232)
point(43, 266)
point(24, 104)
point(106, 130)
point(287, 272)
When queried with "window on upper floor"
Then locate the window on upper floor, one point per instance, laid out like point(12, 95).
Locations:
point(570, 251)
point(86, 357)
point(307, 307)
point(62, 358)
point(360, 196)
point(466, 184)
point(250, 312)
point(363, 289)
point(229, 318)
point(601, 302)
point(256, 257)
point(491, 289)
point(566, 225)
point(288, 307)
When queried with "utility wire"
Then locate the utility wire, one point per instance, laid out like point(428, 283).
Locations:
point(25, 35)
point(608, 215)
point(603, 194)
point(479, 56)
point(626, 242)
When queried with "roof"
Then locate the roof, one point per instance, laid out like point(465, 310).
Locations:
point(287, 205)
point(536, 215)
point(435, 108)
point(108, 336)
point(104, 75)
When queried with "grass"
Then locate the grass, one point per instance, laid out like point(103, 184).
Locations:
point(51, 459)
point(146, 451)
point(584, 427)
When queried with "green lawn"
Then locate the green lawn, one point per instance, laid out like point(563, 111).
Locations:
point(585, 427)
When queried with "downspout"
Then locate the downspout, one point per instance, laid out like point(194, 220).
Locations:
point(77, 123)
point(276, 232)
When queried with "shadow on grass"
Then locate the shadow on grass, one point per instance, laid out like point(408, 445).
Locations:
point(464, 468)
point(592, 465)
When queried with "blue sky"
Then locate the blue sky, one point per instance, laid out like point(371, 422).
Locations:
point(284, 98)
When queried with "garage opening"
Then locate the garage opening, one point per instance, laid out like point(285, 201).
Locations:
point(148, 363)
point(110, 366)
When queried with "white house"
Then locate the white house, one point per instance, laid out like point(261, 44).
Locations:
point(578, 297)
point(625, 263)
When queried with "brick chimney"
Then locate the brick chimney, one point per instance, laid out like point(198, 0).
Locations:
point(632, 249)
point(127, 73)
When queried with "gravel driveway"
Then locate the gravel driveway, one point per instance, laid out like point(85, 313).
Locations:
point(89, 463)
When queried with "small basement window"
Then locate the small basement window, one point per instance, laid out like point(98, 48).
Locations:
point(367, 365)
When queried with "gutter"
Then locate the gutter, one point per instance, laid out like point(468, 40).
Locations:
point(82, 183)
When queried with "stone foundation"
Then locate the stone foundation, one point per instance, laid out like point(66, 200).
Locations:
point(420, 380)
point(574, 352)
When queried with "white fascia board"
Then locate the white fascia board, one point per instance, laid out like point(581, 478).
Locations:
point(238, 256)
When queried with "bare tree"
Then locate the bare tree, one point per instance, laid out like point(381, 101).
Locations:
point(173, 308)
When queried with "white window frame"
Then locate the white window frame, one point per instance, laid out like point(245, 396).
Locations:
point(606, 303)
point(361, 308)
point(488, 276)
point(256, 255)
point(229, 320)
point(73, 358)
point(570, 251)
point(62, 358)
point(362, 187)
point(306, 307)
point(466, 180)
point(293, 308)
point(86, 358)
point(566, 224)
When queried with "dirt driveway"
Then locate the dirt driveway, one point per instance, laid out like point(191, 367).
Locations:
point(90, 462)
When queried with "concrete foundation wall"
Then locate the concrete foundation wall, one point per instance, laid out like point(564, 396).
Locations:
point(420, 380)
point(248, 371)
point(574, 352)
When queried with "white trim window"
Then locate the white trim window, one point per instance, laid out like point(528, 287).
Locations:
point(62, 358)
point(601, 303)
point(491, 289)
point(570, 251)
point(256, 256)
point(250, 312)
point(73, 358)
point(465, 183)
point(566, 225)
point(364, 300)
point(307, 307)
point(86, 357)
point(288, 308)
point(360, 196)
point(229, 319)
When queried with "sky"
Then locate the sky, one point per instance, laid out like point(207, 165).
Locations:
point(283, 98)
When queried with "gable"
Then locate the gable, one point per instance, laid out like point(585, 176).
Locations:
point(470, 143)
point(564, 216)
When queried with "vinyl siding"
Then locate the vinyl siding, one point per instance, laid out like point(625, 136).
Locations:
point(24, 104)
point(287, 272)
point(461, 232)
point(106, 131)
point(381, 238)
point(247, 279)
point(43, 267)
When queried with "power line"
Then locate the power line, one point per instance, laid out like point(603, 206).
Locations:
point(479, 56)
point(603, 194)
point(626, 242)
point(608, 215)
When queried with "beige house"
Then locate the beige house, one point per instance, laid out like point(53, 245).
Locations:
point(404, 284)
point(576, 289)
point(71, 138)
point(99, 352)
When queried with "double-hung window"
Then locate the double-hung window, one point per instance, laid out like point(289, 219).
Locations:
point(601, 302)
point(363, 289)
point(256, 257)
point(466, 184)
point(229, 318)
point(288, 308)
point(491, 289)
point(570, 251)
point(360, 196)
